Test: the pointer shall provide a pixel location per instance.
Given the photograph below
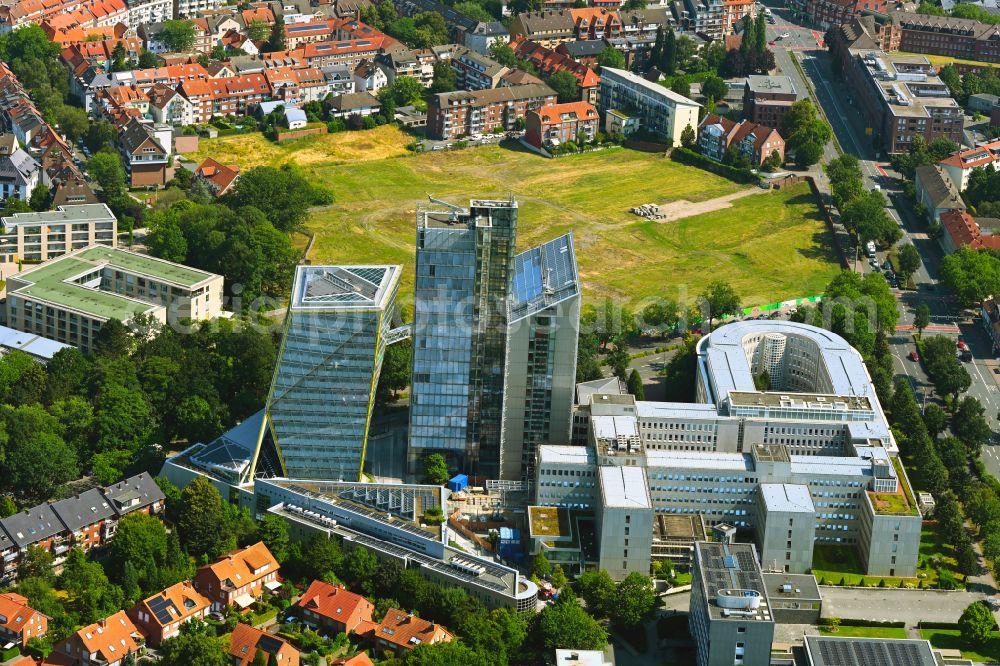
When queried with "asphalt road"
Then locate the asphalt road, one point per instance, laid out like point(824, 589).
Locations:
point(852, 132)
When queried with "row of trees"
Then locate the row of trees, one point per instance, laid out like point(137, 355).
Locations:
point(422, 31)
point(805, 133)
point(862, 210)
point(971, 275)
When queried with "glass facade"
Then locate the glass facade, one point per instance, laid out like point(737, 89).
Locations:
point(323, 390)
point(464, 263)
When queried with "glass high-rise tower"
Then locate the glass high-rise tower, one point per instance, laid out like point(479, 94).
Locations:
point(477, 310)
point(320, 404)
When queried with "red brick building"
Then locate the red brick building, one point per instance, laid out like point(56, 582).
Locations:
point(333, 608)
point(160, 616)
point(548, 62)
point(19, 622)
point(559, 123)
point(457, 114)
point(246, 641)
point(239, 578)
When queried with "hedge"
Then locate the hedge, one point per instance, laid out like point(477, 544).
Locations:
point(691, 158)
point(848, 622)
point(943, 625)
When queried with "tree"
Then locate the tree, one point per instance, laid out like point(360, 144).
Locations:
point(200, 516)
point(689, 139)
point(436, 469)
point(805, 133)
point(565, 85)
point(921, 318)
point(445, 79)
point(276, 40)
point(178, 35)
point(193, 649)
point(865, 215)
point(719, 299)
point(976, 624)
point(909, 260)
point(597, 589)
point(282, 195)
point(943, 367)
point(99, 135)
point(39, 200)
point(37, 463)
point(499, 632)
point(106, 168)
point(969, 424)
point(7, 506)
point(935, 419)
point(611, 57)
point(565, 625)
point(540, 566)
point(396, 367)
point(668, 59)
point(36, 563)
point(972, 275)
point(148, 60)
point(681, 86)
point(451, 653)
point(633, 601)
point(166, 241)
point(634, 384)
point(274, 533)
point(559, 579)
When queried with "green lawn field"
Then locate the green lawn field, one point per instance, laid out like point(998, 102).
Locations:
point(951, 639)
point(770, 246)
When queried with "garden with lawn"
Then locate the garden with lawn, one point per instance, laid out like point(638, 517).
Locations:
point(865, 632)
point(951, 639)
point(936, 566)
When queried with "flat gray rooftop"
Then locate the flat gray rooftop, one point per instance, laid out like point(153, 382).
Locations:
point(343, 287)
point(727, 568)
point(787, 498)
point(771, 84)
point(625, 487)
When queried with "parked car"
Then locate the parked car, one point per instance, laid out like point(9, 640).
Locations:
point(914, 356)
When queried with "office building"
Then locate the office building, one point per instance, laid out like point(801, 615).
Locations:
point(656, 108)
point(730, 615)
point(479, 311)
point(70, 297)
point(812, 460)
point(37, 237)
point(767, 98)
point(900, 96)
point(321, 398)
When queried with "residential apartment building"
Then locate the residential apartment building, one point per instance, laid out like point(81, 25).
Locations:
point(218, 177)
point(239, 578)
point(463, 404)
point(106, 642)
point(757, 143)
point(38, 237)
point(334, 609)
point(246, 642)
point(168, 107)
point(549, 27)
point(767, 98)
point(555, 125)
point(595, 23)
point(936, 191)
point(335, 311)
point(958, 167)
point(399, 632)
point(107, 283)
point(474, 71)
point(657, 109)
point(828, 13)
point(193, 8)
point(85, 521)
point(959, 229)
point(901, 97)
point(942, 35)
point(733, 13)
point(145, 153)
point(457, 114)
point(548, 62)
point(731, 618)
point(19, 622)
point(160, 616)
point(20, 173)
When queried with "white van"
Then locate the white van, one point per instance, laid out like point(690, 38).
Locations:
point(871, 249)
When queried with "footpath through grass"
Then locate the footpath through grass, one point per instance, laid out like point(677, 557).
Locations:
point(769, 246)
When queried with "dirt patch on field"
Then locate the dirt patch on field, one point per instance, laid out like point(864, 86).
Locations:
point(676, 210)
